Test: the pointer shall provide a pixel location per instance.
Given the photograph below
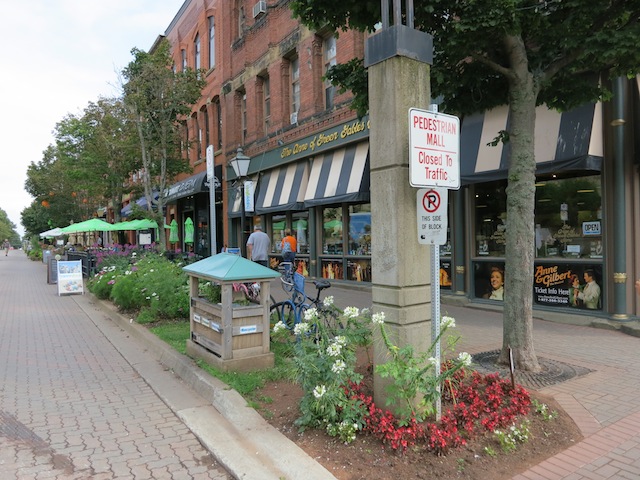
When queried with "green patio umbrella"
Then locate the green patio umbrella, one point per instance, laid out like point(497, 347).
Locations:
point(173, 231)
point(91, 225)
point(188, 230)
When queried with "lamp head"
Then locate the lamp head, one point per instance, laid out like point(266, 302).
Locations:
point(240, 163)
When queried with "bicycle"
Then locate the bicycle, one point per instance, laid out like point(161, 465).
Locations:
point(292, 310)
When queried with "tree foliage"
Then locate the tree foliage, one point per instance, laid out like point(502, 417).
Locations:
point(84, 169)
point(8, 229)
point(158, 99)
point(521, 53)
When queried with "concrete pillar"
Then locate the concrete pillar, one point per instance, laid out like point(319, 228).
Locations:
point(398, 58)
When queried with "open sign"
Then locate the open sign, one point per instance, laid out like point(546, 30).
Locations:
point(591, 228)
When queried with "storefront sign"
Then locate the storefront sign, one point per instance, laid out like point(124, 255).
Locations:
point(432, 216)
point(434, 149)
point(591, 228)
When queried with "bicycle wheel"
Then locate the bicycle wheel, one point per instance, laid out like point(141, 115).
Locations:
point(284, 312)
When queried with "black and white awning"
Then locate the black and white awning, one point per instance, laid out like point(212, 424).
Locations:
point(570, 140)
point(340, 175)
point(283, 188)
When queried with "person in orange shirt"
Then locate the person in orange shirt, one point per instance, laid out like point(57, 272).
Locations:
point(289, 246)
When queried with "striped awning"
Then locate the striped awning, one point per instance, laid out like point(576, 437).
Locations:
point(283, 188)
point(570, 140)
point(340, 175)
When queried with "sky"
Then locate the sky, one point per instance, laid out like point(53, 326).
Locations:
point(57, 56)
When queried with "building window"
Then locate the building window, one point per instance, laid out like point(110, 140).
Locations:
point(207, 132)
point(329, 61)
point(197, 131)
point(266, 98)
point(218, 120)
point(183, 54)
point(332, 231)
point(295, 86)
point(212, 43)
point(243, 115)
point(241, 19)
point(196, 52)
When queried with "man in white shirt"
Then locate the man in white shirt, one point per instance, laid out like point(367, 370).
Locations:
point(590, 294)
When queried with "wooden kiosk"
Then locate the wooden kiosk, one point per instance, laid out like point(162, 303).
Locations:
point(228, 335)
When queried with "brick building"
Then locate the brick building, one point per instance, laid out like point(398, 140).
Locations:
point(309, 152)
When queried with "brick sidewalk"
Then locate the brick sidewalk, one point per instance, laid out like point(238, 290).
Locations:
point(71, 407)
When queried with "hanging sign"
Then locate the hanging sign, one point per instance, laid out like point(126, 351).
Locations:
point(434, 149)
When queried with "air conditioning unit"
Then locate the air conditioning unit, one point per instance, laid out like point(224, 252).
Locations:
point(260, 8)
point(293, 118)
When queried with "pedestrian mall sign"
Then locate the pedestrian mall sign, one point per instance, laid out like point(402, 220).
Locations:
point(432, 216)
point(434, 149)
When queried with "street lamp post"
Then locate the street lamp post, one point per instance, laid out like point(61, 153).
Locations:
point(240, 164)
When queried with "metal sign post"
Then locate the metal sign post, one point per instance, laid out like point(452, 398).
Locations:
point(434, 162)
point(431, 205)
point(212, 200)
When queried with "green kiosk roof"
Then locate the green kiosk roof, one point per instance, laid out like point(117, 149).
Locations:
point(230, 267)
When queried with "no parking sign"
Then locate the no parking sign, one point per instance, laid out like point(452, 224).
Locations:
point(432, 215)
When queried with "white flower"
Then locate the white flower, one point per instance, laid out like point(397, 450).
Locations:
point(338, 367)
point(351, 312)
point(319, 391)
point(154, 294)
point(378, 318)
point(340, 340)
point(148, 298)
point(301, 328)
point(448, 322)
point(328, 301)
point(465, 358)
point(279, 326)
point(151, 270)
point(112, 268)
point(134, 254)
point(310, 315)
point(128, 272)
point(334, 349)
point(432, 361)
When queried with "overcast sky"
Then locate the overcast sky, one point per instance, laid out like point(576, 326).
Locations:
point(57, 56)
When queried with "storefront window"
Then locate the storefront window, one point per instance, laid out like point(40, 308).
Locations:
point(300, 229)
point(568, 218)
point(278, 225)
point(360, 229)
point(491, 219)
point(332, 231)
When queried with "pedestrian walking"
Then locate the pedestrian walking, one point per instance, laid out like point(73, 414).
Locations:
point(258, 245)
point(6, 245)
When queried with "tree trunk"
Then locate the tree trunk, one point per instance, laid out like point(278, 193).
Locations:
point(518, 290)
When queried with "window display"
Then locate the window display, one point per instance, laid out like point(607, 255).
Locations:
point(300, 229)
point(360, 229)
point(332, 242)
point(568, 218)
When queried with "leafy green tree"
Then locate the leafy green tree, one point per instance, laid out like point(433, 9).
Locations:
point(158, 99)
point(521, 53)
point(35, 219)
point(8, 229)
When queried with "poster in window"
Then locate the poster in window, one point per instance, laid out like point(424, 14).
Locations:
point(445, 275)
point(489, 281)
point(568, 285)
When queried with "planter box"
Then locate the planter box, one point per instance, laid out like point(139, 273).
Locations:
point(228, 335)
